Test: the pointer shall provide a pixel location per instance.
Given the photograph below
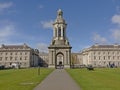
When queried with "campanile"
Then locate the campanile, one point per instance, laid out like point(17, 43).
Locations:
point(59, 49)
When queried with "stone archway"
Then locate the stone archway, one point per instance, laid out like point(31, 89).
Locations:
point(59, 62)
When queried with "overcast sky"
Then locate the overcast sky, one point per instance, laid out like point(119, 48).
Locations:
point(88, 22)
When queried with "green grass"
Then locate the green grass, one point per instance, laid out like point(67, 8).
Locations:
point(99, 79)
point(22, 79)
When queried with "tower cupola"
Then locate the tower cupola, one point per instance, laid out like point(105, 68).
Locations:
point(59, 49)
point(59, 18)
point(59, 30)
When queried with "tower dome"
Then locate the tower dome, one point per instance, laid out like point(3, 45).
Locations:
point(59, 18)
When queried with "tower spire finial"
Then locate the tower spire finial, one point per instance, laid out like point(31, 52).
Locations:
point(60, 13)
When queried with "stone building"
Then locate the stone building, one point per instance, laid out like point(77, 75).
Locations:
point(18, 56)
point(102, 55)
point(59, 49)
point(76, 59)
point(60, 52)
point(43, 59)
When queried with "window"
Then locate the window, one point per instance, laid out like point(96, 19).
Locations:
point(113, 57)
point(25, 58)
point(25, 53)
point(6, 58)
point(15, 58)
point(109, 57)
point(0, 58)
point(104, 57)
point(99, 57)
point(20, 53)
point(20, 58)
point(6, 53)
point(24, 63)
point(118, 57)
point(59, 32)
point(99, 53)
point(10, 53)
point(1, 53)
point(94, 57)
point(117, 52)
point(103, 52)
point(11, 58)
point(113, 52)
point(16, 53)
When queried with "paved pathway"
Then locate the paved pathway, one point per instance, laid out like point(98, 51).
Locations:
point(58, 80)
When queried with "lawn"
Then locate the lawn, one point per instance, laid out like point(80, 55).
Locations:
point(22, 79)
point(99, 79)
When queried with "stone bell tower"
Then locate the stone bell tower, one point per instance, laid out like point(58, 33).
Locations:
point(59, 49)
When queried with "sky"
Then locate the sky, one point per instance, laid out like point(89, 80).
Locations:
point(88, 22)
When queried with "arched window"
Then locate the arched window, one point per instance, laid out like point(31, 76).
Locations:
point(59, 32)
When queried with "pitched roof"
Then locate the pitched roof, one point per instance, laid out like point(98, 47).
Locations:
point(106, 46)
point(15, 46)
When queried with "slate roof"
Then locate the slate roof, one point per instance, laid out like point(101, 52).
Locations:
point(105, 46)
point(15, 46)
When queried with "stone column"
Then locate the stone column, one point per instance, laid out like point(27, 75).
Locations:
point(50, 57)
point(64, 32)
point(57, 32)
point(61, 31)
point(69, 61)
point(53, 57)
point(66, 57)
point(54, 32)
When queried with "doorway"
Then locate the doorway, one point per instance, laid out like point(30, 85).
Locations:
point(59, 61)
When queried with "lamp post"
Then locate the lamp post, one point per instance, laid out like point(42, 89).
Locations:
point(39, 70)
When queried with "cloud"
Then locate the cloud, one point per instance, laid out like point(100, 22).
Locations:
point(42, 47)
point(98, 39)
point(7, 29)
point(116, 30)
point(116, 34)
point(116, 19)
point(47, 24)
point(5, 5)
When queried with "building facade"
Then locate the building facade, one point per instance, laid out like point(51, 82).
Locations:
point(44, 59)
point(59, 49)
point(96, 55)
point(76, 59)
point(18, 56)
point(102, 56)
